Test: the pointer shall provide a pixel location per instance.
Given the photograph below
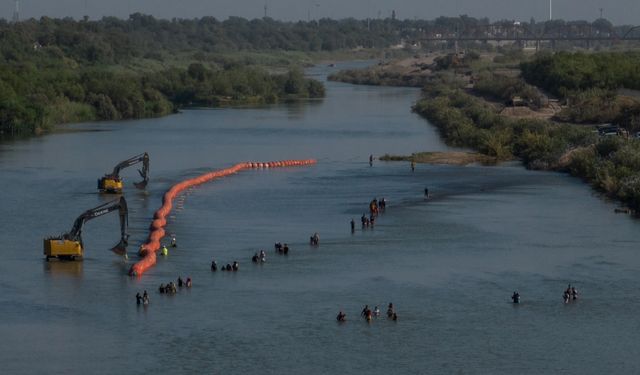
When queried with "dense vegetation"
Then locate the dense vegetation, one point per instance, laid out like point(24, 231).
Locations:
point(112, 40)
point(504, 89)
point(60, 71)
point(34, 99)
point(563, 73)
point(588, 83)
point(378, 77)
point(610, 164)
point(602, 106)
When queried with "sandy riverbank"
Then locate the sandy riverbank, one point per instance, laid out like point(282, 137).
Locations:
point(449, 158)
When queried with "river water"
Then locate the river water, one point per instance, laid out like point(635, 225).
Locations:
point(449, 264)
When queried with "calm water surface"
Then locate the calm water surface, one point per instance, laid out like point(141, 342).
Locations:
point(449, 265)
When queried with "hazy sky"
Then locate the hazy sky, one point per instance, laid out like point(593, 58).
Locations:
point(618, 11)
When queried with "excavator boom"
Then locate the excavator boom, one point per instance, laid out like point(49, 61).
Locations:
point(69, 245)
point(112, 183)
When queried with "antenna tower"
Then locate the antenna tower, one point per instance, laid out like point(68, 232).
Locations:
point(265, 9)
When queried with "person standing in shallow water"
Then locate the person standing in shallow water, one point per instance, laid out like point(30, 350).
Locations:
point(353, 226)
point(371, 160)
point(145, 298)
point(515, 297)
point(363, 313)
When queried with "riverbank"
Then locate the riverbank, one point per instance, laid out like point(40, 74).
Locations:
point(447, 158)
point(414, 71)
point(609, 164)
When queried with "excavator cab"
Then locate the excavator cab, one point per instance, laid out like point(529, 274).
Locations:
point(112, 183)
point(62, 248)
point(69, 245)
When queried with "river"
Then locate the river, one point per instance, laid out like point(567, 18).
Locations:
point(449, 264)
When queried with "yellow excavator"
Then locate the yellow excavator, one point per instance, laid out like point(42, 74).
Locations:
point(112, 183)
point(69, 245)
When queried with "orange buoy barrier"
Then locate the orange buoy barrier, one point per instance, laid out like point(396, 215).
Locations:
point(156, 228)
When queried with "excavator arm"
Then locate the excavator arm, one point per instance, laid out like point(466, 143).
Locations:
point(70, 245)
point(112, 183)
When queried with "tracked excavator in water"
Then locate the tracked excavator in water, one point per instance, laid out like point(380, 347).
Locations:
point(112, 183)
point(69, 245)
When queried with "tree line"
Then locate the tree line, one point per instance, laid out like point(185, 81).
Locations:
point(32, 100)
point(55, 71)
point(563, 73)
point(110, 39)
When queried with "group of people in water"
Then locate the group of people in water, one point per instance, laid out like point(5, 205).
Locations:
point(375, 207)
point(366, 221)
point(170, 287)
point(570, 294)
point(164, 250)
point(281, 249)
point(369, 314)
point(228, 267)
point(142, 299)
point(259, 257)
point(314, 240)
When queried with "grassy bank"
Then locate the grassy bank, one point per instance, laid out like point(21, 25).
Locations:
point(450, 158)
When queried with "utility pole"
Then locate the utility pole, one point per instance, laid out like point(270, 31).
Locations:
point(601, 12)
point(369, 16)
point(16, 12)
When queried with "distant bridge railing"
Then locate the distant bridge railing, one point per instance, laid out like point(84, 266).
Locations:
point(523, 32)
